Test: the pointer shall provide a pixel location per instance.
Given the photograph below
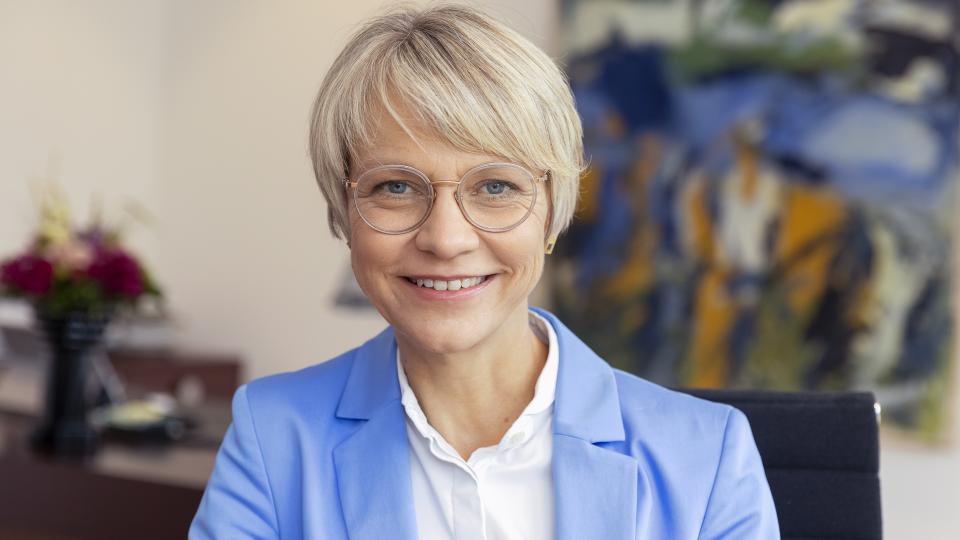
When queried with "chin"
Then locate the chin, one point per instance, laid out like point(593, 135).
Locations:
point(446, 337)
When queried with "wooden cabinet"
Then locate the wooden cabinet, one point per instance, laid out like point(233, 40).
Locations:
point(121, 493)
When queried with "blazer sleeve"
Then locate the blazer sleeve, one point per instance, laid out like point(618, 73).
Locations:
point(237, 502)
point(740, 506)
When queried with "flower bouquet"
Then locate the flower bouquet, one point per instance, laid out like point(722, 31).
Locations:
point(76, 279)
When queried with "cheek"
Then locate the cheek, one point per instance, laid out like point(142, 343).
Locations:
point(370, 255)
point(522, 252)
point(526, 247)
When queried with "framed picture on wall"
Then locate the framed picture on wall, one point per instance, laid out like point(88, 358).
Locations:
point(771, 195)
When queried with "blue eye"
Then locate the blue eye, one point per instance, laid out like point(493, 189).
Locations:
point(495, 188)
point(397, 188)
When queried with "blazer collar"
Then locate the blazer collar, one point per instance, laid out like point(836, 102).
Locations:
point(373, 463)
point(596, 488)
point(587, 403)
point(372, 382)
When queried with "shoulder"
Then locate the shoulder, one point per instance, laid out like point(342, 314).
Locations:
point(690, 448)
point(315, 389)
point(700, 459)
point(643, 400)
point(278, 447)
point(653, 417)
point(676, 426)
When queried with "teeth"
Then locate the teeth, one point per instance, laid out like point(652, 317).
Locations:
point(452, 285)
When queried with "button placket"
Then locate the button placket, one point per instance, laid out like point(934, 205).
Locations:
point(472, 499)
point(468, 518)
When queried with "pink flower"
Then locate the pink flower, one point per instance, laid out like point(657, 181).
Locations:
point(116, 273)
point(28, 274)
point(75, 256)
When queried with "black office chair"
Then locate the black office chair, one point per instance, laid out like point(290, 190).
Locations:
point(821, 453)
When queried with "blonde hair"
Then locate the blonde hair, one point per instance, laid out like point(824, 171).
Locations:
point(476, 83)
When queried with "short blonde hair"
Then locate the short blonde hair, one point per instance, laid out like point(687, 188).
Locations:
point(476, 83)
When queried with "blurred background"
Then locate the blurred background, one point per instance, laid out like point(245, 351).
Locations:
point(771, 203)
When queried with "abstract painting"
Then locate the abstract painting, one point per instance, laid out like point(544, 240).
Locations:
point(771, 194)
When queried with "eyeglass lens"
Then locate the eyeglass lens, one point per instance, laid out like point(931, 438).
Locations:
point(394, 199)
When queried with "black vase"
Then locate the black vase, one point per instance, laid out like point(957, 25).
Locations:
point(64, 429)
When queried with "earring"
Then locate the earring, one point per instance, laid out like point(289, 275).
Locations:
point(550, 244)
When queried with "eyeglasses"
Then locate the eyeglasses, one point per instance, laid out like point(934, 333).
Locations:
point(493, 197)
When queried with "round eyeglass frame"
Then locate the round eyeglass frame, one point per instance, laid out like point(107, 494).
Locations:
point(432, 193)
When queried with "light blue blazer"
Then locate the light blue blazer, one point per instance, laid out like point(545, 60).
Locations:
point(322, 453)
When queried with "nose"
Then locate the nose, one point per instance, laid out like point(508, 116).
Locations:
point(446, 233)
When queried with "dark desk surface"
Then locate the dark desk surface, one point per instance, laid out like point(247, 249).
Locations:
point(123, 492)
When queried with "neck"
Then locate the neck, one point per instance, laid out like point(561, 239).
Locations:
point(473, 396)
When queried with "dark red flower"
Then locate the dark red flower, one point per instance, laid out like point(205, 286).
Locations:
point(28, 274)
point(117, 273)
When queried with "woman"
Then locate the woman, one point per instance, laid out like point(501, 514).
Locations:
point(448, 150)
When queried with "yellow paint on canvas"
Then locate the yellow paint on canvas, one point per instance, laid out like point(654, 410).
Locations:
point(713, 317)
point(810, 216)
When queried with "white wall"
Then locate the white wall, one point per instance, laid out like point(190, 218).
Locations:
point(199, 111)
point(80, 102)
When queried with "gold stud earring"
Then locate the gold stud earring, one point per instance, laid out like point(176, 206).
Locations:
point(550, 244)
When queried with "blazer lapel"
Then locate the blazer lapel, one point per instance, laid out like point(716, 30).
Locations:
point(595, 487)
point(595, 491)
point(373, 464)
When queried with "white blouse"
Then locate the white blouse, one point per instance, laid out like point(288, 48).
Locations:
point(501, 492)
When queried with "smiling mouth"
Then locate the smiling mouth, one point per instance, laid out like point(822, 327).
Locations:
point(448, 285)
